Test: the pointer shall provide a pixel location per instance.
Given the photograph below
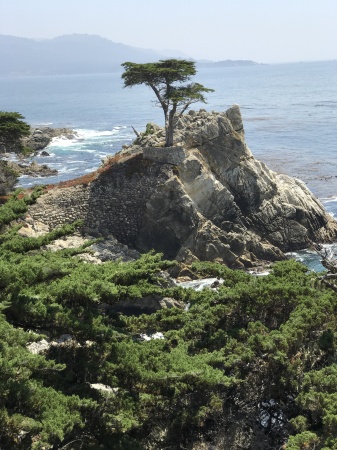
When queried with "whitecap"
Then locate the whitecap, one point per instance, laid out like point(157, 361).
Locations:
point(328, 199)
point(292, 254)
point(81, 137)
point(66, 169)
point(90, 134)
point(62, 141)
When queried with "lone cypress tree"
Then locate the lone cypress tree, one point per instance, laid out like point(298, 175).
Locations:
point(167, 78)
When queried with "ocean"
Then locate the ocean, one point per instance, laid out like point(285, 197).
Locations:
point(289, 113)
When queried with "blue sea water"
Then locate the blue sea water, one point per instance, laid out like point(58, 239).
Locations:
point(289, 113)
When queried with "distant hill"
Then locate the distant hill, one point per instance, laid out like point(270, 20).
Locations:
point(79, 53)
point(70, 54)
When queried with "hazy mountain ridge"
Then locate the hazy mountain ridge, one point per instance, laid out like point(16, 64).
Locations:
point(77, 54)
point(67, 55)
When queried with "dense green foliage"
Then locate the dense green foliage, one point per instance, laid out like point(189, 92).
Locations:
point(165, 78)
point(12, 130)
point(258, 351)
point(18, 205)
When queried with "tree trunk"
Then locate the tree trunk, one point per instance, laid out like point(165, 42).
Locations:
point(169, 127)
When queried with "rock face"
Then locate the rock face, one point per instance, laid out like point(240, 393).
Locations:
point(206, 198)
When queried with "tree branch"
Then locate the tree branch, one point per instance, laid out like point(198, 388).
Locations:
point(160, 98)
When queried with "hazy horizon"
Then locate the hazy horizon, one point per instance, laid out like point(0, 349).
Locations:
point(180, 53)
point(258, 30)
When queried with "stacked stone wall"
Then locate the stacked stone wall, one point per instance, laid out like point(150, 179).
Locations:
point(112, 204)
point(60, 206)
point(118, 199)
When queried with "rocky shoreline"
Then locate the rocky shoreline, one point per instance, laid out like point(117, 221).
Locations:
point(36, 142)
point(39, 138)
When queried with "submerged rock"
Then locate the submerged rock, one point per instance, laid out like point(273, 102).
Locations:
point(206, 198)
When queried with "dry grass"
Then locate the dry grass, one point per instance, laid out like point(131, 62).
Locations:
point(85, 180)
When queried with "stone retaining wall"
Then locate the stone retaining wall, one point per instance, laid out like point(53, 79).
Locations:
point(60, 206)
point(112, 204)
point(165, 155)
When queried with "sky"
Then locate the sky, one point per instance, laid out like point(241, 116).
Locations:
point(266, 31)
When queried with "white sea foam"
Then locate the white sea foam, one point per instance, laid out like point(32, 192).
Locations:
point(292, 254)
point(329, 199)
point(91, 134)
point(66, 169)
point(83, 136)
point(86, 150)
point(62, 141)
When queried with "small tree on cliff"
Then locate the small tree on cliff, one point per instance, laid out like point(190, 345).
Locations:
point(12, 130)
point(167, 78)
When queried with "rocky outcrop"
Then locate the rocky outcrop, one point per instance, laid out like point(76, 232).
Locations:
point(206, 198)
point(32, 169)
point(39, 138)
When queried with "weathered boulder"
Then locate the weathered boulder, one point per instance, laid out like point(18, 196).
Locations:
point(32, 228)
point(205, 198)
